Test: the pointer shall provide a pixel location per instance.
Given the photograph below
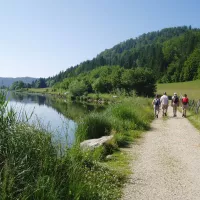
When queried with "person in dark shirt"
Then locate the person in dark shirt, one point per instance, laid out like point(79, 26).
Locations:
point(175, 104)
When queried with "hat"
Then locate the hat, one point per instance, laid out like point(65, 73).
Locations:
point(175, 93)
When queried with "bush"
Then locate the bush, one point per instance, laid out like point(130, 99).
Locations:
point(78, 88)
point(95, 125)
point(77, 98)
point(126, 116)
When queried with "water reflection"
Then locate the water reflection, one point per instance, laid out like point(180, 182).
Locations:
point(55, 115)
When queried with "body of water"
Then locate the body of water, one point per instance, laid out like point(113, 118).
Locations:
point(56, 116)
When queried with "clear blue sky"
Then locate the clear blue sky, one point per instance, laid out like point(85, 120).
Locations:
point(39, 38)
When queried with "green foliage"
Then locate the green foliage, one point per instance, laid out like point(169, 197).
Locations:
point(77, 88)
point(98, 85)
point(192, 66)
point(169, 55)
point(107, 79)
point(132, 114)
point(94, 125)
point(40, 83)
point(34, 167)
point(164, 52)
point(141, 80)
point(18, 85)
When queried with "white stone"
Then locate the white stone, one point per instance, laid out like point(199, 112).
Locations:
point(94, 143)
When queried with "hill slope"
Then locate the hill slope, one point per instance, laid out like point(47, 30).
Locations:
point(191, 88)
point(172, 54)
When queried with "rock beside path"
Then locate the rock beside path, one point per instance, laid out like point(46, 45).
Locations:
point(94, 143)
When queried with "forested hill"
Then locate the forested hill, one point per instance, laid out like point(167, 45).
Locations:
point(7, 82)
point(171, 53)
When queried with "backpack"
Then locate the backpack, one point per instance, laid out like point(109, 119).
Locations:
point(185, 101)
point(175, 100)
point(157, 102)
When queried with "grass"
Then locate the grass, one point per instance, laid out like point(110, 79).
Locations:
point(194, 119)
point(125, 120)
point(120, 162)
point(106, 97)
point(34, 167)
point(95, 125)
point(191, 88)
point(45, 91)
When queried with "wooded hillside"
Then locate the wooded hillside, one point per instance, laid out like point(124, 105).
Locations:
point(171, 53)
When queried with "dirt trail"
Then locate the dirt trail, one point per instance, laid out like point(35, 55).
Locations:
point(166, 162)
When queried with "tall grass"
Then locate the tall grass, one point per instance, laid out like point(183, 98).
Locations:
point(94, 125)
point(124, 119)
point(33, 167)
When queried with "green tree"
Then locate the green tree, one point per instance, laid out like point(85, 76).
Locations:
point(191, 66)
point(40, 83)
point(77, 88)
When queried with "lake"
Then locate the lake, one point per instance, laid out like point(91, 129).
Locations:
point(56, 116)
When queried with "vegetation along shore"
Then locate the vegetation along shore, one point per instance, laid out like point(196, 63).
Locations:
point(34, 167)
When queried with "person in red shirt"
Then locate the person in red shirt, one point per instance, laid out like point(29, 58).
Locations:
point(185, 103)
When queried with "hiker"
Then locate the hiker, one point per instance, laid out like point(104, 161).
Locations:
point(156, 105)
point(185, 104)
point(175, 104)
point(164, 102)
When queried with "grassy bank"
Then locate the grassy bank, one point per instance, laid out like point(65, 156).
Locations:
point(46, 91)
point(191, 88)
point(62, 94)
point(32, 166)
point(193, 117)
point(124, 120)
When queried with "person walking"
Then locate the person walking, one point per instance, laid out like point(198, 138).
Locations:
point(175, 104)
point(156, 105)
point(185, 104)
point(164, 103)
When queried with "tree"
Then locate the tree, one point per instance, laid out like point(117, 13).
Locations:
point(191, 66)
point(40, 83)
point(98, 86)
point(77, 88)
point(17, 85)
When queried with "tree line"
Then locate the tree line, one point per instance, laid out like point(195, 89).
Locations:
point(169, 55)
point(39, 83)
point(108, 79)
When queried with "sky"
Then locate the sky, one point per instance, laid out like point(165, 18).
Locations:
point(40, 38)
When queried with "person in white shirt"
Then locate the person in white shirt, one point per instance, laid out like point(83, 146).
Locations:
point(164, 103)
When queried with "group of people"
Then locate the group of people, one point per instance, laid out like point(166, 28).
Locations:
point(163, 102)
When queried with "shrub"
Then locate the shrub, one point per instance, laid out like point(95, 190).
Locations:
point(77, 88)
point(94, 125)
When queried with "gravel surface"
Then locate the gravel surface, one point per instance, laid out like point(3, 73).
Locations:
point(166, 162)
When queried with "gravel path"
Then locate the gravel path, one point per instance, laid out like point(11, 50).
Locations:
point(166, 162)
